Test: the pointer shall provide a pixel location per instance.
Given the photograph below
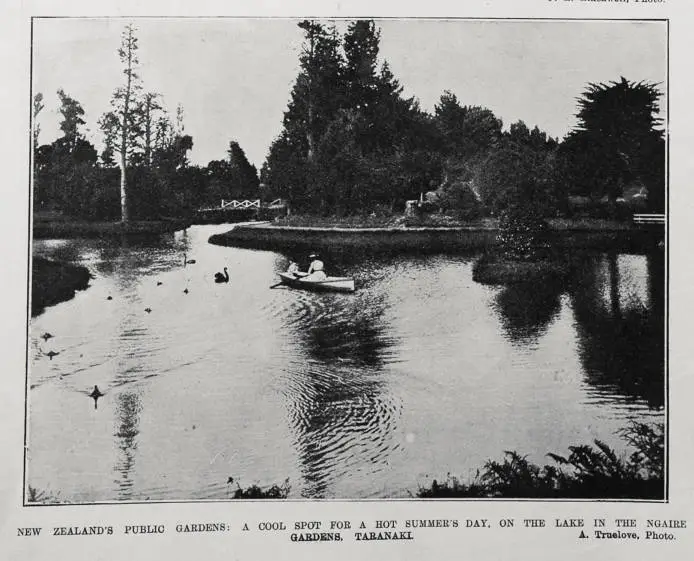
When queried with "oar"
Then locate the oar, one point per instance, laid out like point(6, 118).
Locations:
point(276, 285)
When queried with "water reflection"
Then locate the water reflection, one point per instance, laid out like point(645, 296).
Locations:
point(358, 341)
point(341, 408)
point(128, 427)
point(350, 395)
point(526, 310)
point(131, 259)
point(618, 306)
point(620, 325)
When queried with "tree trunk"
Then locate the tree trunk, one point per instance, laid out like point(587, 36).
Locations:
point(125, 216)
point(309, 132)
point(123, 191)
point(148, 132)
point(309, 137)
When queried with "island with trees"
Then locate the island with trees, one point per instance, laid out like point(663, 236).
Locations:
point(359, 163)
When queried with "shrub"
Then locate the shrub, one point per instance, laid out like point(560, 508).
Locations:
point(587, 472)
point(256, 492)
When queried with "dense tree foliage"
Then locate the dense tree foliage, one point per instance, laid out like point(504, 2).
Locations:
point(351, 142)
point(143, 172)
point(617, 142)
point(65, 169)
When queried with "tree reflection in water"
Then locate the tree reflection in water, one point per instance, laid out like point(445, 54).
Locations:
point(146, 255)
point(527, 309)
point(128, 421)
point(620, 333)
point(122, 262)
point(621, 341)
point(342, 410)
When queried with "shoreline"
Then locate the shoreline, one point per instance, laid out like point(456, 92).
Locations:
point(53, 282)
point(47, 229)
point(562, 234)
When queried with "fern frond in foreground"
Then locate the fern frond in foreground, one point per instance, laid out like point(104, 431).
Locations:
point(588, 471)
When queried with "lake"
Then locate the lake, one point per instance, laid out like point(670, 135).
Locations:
point(420, 373)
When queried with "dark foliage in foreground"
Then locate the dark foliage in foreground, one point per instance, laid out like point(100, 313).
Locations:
point(587, 472)
point(256, 492)
point(34, 495)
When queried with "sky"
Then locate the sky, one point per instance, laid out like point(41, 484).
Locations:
point(233, 76)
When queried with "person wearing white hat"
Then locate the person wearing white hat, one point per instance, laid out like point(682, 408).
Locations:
point(315, 269)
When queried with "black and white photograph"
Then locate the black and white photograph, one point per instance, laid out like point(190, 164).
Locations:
point(347, 259)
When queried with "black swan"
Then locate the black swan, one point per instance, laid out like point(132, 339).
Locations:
point(46, 336)
point(148, 310)
point(222, 277)
point(185, 291)
point(51, 354)
point(187, 261)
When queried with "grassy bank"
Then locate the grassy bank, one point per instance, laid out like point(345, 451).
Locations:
point(374, 220)
point(331, 239)
point(329, 234)
point(436, 220)
point(587, 472)
point(54, 282)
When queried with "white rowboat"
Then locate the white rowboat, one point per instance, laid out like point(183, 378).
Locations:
point(329, 284)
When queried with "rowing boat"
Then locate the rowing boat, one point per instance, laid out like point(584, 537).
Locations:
point(329, 284)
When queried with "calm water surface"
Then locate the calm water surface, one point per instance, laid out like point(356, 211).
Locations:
point(420, 373)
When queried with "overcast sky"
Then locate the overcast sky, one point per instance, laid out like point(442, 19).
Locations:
point(234, 76)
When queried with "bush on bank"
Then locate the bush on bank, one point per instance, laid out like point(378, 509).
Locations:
point(54, 282)
point(256, 492)
point(589, 471)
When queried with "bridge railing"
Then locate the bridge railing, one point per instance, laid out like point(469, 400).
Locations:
point(241, 204)
point(649, 219)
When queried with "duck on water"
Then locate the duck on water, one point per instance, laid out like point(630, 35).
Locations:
point(95, 395)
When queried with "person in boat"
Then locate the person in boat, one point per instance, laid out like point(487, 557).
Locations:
point(315, 269)
point(293, 268)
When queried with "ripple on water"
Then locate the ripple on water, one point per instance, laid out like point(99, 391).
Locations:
point(341, 419)
point(319, 387)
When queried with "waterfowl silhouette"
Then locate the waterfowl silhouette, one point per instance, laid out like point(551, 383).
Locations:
point(186, 291)
point(95, 395)
point(109, 298)
point(187, 261)
point(46, 336)
point(222, 277)
point(51, 354)
point(159, 283)
point(148, 310)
